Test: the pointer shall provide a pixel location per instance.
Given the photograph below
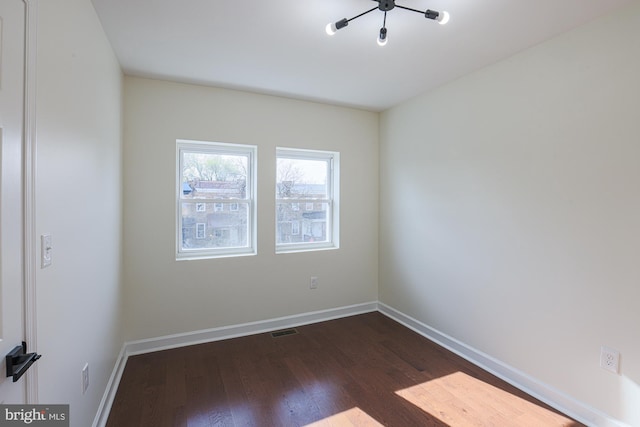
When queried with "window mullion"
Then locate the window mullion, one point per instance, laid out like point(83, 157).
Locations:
point(208, 200)
point(303, 200)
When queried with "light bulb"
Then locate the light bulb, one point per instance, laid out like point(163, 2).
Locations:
point(382, 37)
point(443, 18)
point(332, 27)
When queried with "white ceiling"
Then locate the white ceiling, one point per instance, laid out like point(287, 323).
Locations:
point(280, 47)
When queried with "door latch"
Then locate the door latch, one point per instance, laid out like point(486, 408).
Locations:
point(18, 361)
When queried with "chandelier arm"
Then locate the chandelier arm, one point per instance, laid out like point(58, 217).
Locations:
point(422, 12)
point(362, 14)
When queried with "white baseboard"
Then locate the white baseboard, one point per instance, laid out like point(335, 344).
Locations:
point(244, 329)
point(547, 394)
point(215, 334)
point(112, 387)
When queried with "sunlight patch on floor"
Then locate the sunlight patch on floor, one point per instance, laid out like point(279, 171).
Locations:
point(459, 400)
point(355, 417)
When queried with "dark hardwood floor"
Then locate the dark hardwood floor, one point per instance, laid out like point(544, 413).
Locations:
point(364, 370)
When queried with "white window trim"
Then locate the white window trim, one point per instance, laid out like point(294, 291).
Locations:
point(218, 148)
point(332, 201)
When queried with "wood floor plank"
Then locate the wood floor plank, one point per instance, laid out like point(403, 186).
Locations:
point(175, 392)
point(365, 370)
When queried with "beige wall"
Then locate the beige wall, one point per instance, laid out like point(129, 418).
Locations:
point(78, 190)
point(510, 214)
point(165, 296)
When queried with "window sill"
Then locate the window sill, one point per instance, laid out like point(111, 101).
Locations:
point(306, 248)
point(195, 257)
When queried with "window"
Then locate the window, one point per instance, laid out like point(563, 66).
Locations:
point(216, 206)
point(201, 230)
point(310, 178)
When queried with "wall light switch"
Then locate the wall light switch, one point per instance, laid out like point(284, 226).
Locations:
point(45, 250)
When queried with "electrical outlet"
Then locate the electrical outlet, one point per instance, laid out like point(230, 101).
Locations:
point(45, 250)
point(314, 283)
point(85, 378)
point(610, 359)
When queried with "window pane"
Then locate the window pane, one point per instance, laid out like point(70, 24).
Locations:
point(214, 176)
point(301, 179)
point(220, 225)
point(301, 226)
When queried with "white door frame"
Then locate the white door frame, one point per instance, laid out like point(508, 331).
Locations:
point(29, 194)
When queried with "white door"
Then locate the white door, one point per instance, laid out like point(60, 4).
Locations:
point(12, 63)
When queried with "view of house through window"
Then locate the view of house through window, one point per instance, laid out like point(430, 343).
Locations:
point(215, 199)
point(306, 200)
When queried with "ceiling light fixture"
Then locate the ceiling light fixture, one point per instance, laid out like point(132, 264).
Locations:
point(385, 6)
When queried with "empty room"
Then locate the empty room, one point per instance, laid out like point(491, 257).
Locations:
point(320, 212)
